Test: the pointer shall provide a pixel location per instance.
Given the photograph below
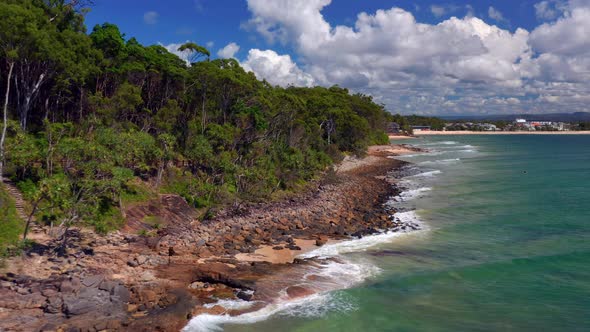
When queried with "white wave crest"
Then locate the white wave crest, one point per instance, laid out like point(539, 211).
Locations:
point(334, 275)
point(426, 174)
point(316, 305)
point(440, 161)
point(440, 143)
point(365, 243)
point(411, 194)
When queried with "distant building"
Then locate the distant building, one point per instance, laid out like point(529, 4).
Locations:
point(488, 127)
point(420, 128)
point(393, 128)
point(523, 121)
point(541, 123)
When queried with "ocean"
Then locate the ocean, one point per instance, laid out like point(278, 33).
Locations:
point(503, 245)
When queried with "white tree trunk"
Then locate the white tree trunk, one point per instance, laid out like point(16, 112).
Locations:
point(3, 138)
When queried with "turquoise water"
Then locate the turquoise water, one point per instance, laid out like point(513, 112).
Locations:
point(505, 245)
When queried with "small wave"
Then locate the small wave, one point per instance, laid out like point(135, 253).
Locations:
point(441, 143)
point(426, 174)
point(237, 304)
point(334, 275)
point(440, 161)
point(422, 154)
point(316, 305)
point(411, 194)
point(367, 242)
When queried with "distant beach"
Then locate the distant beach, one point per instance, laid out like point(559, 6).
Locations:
point(466, 132)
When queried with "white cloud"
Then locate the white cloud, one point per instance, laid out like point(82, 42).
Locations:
point(458, 65)
point(229, 51)
point(276, 69)
point(496, 15)
point(438, 11)
point(151, 17)
point(210, 44)
point(549, 9)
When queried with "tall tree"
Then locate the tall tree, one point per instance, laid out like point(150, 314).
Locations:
point(194, 51)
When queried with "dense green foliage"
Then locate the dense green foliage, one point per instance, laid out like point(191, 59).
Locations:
point(404, 124)
point(99, 120)
point(433, 122)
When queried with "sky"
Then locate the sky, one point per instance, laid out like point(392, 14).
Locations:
point(414, 57)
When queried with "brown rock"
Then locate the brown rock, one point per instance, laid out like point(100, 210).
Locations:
point(298, 291)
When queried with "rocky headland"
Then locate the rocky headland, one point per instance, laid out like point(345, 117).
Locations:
point(130, 282)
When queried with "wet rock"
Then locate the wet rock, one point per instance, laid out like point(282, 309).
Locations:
point(246, 296)
point(320, 242)
point(197, 285)
point(298, 291)
point(293, 247)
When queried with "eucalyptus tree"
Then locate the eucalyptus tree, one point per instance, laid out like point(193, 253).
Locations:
point(13, 20)
point(194, 52)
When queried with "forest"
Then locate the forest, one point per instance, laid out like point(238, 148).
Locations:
point(93, 120)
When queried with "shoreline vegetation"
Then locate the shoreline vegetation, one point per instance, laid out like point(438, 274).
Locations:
point(96, 123)
point(124, 281)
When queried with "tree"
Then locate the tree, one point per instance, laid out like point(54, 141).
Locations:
point(194, 52)
point(5, 117)
point(9, 25)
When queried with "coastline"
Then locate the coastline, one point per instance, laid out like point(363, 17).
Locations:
point(241, 256)
point(466, 132)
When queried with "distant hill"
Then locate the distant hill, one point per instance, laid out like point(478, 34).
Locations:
point(557, 117)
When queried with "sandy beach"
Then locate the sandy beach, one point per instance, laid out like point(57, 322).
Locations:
point(466, 132)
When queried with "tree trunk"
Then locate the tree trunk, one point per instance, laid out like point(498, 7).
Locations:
point(203, 116)
point(5, 125)
point(29, 97)
point(30, 218)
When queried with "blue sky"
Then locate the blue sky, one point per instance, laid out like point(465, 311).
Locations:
point(494, 57)
point(219, 21)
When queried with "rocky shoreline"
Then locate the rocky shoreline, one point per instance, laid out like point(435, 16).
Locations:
point(128, 282)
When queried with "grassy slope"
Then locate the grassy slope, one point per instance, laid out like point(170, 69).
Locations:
point(11, 226)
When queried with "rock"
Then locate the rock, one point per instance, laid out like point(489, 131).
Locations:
point(70, 286)
point(320, 242)
point(132, 263)
point(92, 281)
point(88, 300)
point(148, 295)
point(121, 292)
point(107, 285)
point(196, 285)
point(277, 248)
point(141, 259)
point(246, 296)
point(298, 291)
point(54, 305)
point(147, 276)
